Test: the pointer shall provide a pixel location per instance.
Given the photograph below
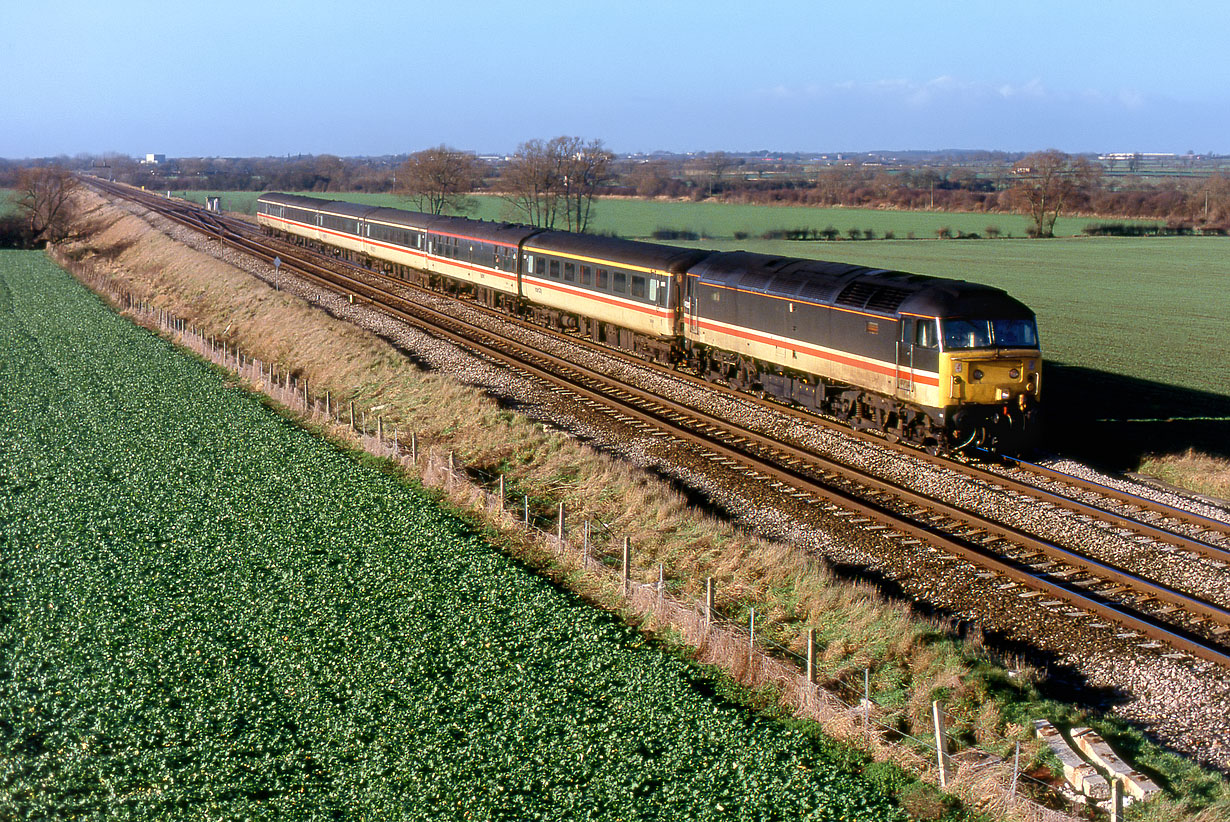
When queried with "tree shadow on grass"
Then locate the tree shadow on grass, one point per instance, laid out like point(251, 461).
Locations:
point(1113, 421)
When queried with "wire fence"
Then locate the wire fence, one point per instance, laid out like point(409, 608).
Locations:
point(845, 708)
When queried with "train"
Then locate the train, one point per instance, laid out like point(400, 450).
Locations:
point(948, 365)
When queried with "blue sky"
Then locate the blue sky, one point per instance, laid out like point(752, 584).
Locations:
point(264, 77)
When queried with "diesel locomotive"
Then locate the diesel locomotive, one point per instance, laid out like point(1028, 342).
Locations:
point(946, 364)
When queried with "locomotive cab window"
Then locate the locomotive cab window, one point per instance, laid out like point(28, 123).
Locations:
point(925, 335)
point(959, 334)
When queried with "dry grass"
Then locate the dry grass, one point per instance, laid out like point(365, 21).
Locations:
point(1198, 472)
point(856, 627)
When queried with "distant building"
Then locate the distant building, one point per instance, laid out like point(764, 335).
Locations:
point(154, 159)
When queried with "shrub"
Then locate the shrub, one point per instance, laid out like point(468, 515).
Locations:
point(674, 234)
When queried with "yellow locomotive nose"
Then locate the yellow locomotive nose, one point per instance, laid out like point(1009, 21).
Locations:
point(990, 380)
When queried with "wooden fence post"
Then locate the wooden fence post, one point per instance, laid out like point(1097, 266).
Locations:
point(941, 741)
point(559, 526)
point(811, 656)
point(627, 565)
point(527, 512)
point(352, 415)
point(708, 603)
point(414, 448)
point(751, 636)
point(501, 492)
point(1016, 769)
point(866, 702)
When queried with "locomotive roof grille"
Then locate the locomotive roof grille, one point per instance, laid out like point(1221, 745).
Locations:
point(862, 294)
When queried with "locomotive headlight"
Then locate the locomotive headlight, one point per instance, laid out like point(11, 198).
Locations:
point(1014, 374)
point(977, 374)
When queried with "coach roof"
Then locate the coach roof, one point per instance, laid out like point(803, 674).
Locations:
point(615, 251)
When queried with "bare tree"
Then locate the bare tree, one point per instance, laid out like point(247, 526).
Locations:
point(650, 179)
point(586, 166)
point(558, 178)
point(47, 196)
point(714, 165)
point(1047, 183)
point(1212, 199)
point(439, 179)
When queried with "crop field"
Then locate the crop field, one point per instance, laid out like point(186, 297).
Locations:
point(208, 613)
point(7, 205)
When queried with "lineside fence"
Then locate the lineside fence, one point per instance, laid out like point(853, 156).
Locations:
point(844, 707)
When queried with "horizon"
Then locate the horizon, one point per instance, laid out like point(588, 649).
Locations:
point(188, 80)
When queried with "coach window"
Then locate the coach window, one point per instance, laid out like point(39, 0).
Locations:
point(555, 269)
point(603, 280)
point(540, 266)
point(570, 272)
point(587, 275)
point(653, 292)
point(619, 282)
point(638, 286)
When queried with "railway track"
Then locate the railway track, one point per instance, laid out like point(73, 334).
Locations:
point(1127, 596)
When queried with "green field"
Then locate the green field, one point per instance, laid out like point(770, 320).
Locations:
point(7, 205)
point(1155, 309)
point(210, 614)
point(635, 218)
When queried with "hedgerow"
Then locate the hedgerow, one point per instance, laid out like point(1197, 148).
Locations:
point(209, 614)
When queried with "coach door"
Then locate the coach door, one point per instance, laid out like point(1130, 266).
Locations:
point(689, 304)
point(905, 358)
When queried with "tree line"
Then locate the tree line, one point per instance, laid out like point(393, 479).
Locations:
point(553, 183)
point(548, 183)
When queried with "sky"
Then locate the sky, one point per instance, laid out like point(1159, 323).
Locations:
point(274, 78)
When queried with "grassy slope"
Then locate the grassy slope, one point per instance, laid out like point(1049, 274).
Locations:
point(224, 613)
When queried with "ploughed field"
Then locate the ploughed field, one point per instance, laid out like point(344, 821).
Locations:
point(210, 613)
